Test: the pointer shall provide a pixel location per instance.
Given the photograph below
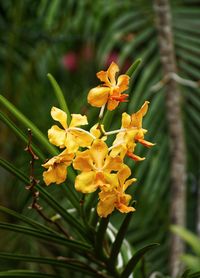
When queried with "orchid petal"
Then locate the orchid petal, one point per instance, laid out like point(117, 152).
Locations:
point(60, 116)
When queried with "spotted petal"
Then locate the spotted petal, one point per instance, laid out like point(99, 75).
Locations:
point(57, 174)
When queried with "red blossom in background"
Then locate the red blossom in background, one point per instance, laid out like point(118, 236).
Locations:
point(70, 61)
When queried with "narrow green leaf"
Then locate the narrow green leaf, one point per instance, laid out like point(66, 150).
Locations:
point(41, 235)
point(26, 274)
point(195, 275)
point(59, 209)
point(185, 273)
point(47, 197)
point(192, 262)
point(133, 67)
point(118, 240)
point(189, 237)
point(13, 170)
point(135, 259)
point(20, 134)
point(38, 135)
point(28, 124)
point(100, 235)
point(27, 220)
point(60, 262)
point(60, 96)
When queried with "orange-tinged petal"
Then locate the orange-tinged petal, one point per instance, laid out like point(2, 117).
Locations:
point(57, 174)
point(145, 143)
point(123, 205)
point(85, 182)
point(112, 70)
point(122, 82)
point(136, 118)
point(98, 96)
point(106, 204)
point(77, 120)
point(113, 163)
point(135, 157)
point(118, 97)
point(103, 76)
point(83, 161)
point(57, 136)
point(60, 116)
point(99, 151)
point(129, 182)
point(63, 157)
point(112, 104)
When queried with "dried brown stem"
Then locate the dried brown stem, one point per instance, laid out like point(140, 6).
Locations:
point(35, 193)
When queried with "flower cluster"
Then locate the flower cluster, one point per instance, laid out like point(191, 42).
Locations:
point(100, 167)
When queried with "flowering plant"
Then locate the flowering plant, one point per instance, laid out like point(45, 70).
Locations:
point(101, 167)
point(95, 166)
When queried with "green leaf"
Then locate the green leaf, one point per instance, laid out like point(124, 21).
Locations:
point(13, 170)
point(189, 237)
point(47, 197)
point(42, 139)
point(185, 273)
point(41, 235)
point(27, 220)
point(20, 134)
point(135, 259)
point(26, 274)
point(28, 124)
point(133, 68)
point(60, 96)
point(191, 262)
point(60, 262)
point(194, 275)
point(119, 239)
point(100, 235)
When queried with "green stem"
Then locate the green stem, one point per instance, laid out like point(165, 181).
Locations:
point(60, 96)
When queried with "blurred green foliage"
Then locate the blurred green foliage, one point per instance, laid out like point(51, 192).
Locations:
point(72, 40)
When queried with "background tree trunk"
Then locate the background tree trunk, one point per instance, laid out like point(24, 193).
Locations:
point(177, 145)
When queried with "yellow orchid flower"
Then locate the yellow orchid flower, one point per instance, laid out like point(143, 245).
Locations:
point(110, 92)
point(98, 131)
point(95, 164)
point(113, 194)
point(136, 121)
point(57, 168)
point(131, 132)
point(70, 136)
